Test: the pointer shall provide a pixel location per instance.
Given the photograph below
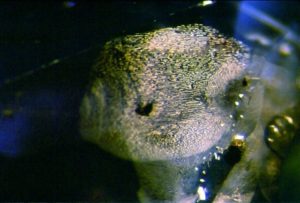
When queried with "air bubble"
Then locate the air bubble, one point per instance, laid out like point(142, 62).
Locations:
point(285, 49)
point(220, 149)
point(279, 134)
point(238, 140)
point(236, 103)
point(274, 129)
point(217, 157)
point(241, 96)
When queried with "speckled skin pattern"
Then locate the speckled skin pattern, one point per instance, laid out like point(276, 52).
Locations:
point(165, 94)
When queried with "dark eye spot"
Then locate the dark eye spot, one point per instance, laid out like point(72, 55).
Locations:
point(245, 82)
point(144, 110)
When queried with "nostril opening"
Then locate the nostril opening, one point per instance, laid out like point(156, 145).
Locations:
point(144, 110)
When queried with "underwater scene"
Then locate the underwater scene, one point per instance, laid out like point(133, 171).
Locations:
point(150, 101)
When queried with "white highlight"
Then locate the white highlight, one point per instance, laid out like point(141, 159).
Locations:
point(205, 3)
point(201, 193)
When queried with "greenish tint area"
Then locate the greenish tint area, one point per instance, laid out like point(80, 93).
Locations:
point(290, 175)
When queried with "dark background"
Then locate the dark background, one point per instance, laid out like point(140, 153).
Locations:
point(42, 157)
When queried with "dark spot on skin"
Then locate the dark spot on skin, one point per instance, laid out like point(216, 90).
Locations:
point(118, 53)
point(202, 98)
point(233, 155)
point(144, 110)
point(245, 82)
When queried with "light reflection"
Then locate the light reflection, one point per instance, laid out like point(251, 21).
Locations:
point(289, 119)
point(251, 17)
point(205, 3)
point(239, 137)
point(216, 156)
point(274, 128)
point(259, 38)
point(241, 96)
point(10, 139)
point(19, 121)
point(201, 180)
point(263, 17)
point(285, 49)
point(238, 140)
point(270, 140)
point(236, 103)
point(201, 193)
point(69, 4)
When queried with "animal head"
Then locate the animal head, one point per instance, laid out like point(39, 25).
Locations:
point(170, 93)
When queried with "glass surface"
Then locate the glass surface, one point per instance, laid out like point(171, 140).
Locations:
point(47, 50)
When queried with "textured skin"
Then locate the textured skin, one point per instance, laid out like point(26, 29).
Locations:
point(166, 94)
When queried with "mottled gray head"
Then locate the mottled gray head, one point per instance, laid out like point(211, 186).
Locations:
point(170, 93)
